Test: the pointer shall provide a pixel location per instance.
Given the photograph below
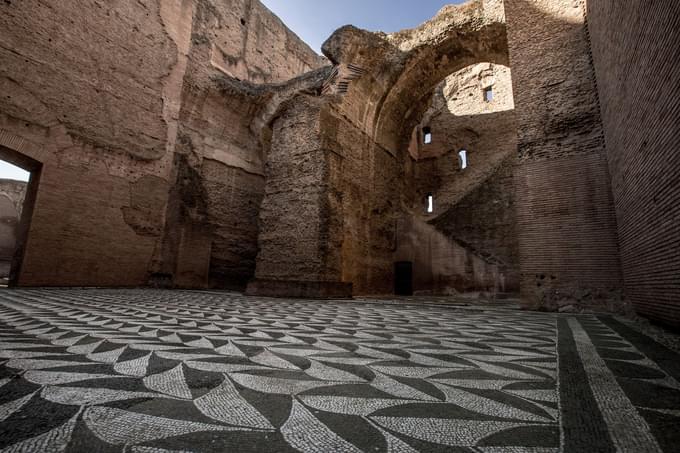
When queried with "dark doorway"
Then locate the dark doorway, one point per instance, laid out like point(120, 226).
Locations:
point(403, 278)
point(19, 179)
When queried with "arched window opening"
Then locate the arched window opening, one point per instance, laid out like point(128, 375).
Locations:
point(427, 135)
point(430, 203)
point(462, 159)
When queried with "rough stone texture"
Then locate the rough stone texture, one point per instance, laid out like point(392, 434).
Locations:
point(15, 191)
point(98, 94)
point(636, 50)
point(221, 140)
point(12, 194)
point(380, 88)
point(291, 241)
point(199, 143)
point(469, 242)
point(247, 42)
point(566, 221)
point(484, 222)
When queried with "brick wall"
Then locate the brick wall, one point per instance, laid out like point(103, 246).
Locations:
point(566, 223)
point(636, 50)
point(469, 242)
point(98, 94)
point(484, 222)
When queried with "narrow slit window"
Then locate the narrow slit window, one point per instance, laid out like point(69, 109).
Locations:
point(488, 94)
point(430, 203)
point(427, 135)
point(462, 159)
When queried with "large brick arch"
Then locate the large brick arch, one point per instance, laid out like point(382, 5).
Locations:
point(387, 80)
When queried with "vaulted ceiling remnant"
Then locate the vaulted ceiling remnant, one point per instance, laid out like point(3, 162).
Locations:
point(387, 79)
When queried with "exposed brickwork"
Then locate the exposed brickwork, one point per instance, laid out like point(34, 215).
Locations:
point(98, 93)
point(469, 242)
point(196, 143)
point(566, 224)
point(367, 182)
point(567, 249)
point(293, 212)
point(636, 50)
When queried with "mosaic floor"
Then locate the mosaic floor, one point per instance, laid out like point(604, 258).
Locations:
point(156, 371)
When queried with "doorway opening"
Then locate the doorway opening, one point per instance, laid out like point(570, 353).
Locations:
point(19, 177)
point(403, 278)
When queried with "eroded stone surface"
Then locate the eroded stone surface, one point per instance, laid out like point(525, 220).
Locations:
point(471, 230)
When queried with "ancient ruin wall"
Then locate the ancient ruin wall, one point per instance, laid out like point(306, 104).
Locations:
point(94, 95)
point(566, 223)
point(469, 242)
point(85, 87)
point(234, 46)
point(372, 100)
point(636, 50)
point(368, 184)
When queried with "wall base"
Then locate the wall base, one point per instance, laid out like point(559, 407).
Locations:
point(300, 289)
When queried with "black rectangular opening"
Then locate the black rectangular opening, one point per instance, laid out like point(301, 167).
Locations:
point(403, 278)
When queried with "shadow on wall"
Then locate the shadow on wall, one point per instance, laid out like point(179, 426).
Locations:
point(460, 233)
point(566, 222)
point(469, 240)
point(380, 89)
point(444, 265)
point(636, 53)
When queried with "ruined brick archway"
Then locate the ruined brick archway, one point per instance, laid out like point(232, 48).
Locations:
point(386, 81)
point(338, 159)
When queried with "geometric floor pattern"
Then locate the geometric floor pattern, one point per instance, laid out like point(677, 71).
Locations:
point(164, 371)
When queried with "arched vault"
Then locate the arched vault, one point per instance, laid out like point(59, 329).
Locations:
point(386, 80)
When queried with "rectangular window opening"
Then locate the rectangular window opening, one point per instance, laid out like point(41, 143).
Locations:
point(430, 204)
point(462, 159)
point(427, 135)
point(488, 94)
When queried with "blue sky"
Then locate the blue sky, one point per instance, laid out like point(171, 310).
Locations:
point(315, 20)
point(8, 171)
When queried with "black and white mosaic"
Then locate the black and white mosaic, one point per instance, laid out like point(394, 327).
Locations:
point(155, 371)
